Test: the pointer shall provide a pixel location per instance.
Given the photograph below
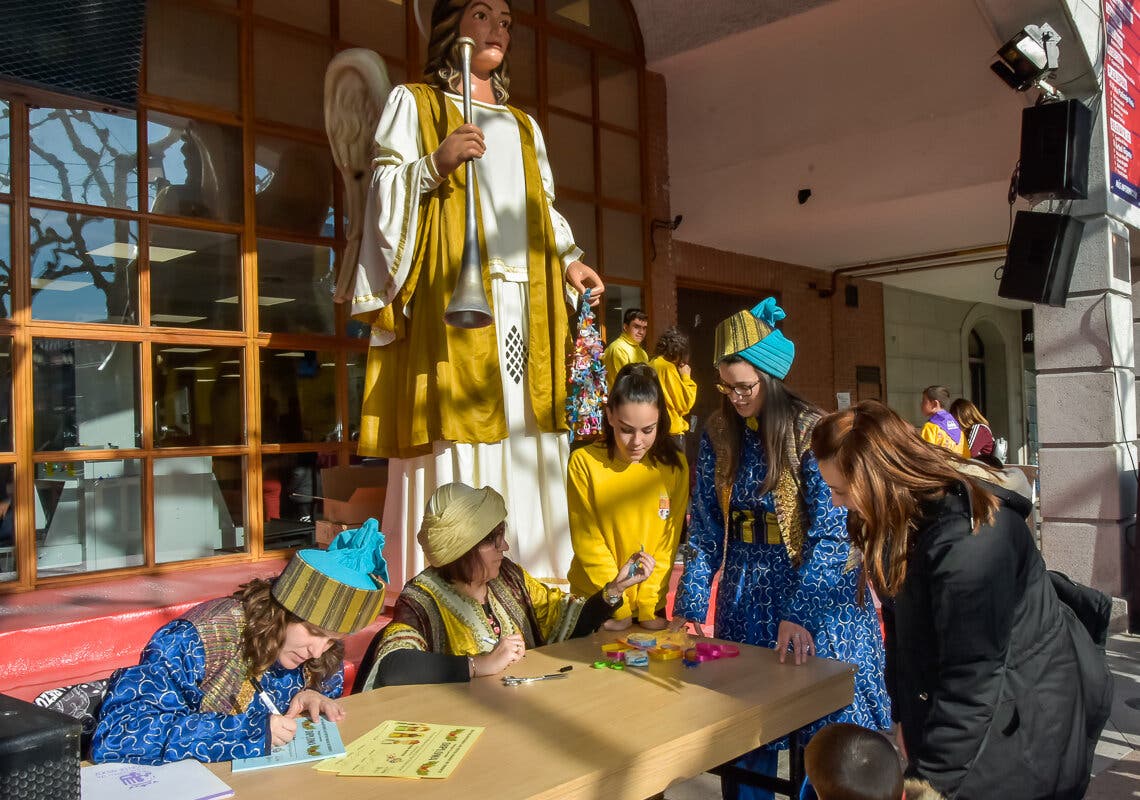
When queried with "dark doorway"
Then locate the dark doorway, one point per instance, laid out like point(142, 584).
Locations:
point(698, 313)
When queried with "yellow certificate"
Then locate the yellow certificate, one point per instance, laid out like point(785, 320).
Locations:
point(398, 749)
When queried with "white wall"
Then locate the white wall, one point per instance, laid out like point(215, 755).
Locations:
point(926, 340)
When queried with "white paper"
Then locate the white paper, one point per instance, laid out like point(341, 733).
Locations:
point(178, 780)
point(843, 400)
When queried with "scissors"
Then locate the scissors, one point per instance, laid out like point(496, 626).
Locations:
point(511, 680)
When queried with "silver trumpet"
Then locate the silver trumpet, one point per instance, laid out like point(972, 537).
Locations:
point(468, 307)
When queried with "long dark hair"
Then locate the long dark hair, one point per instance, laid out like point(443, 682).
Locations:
point(890, 472)
point(777, 421)
point(638, 383)
point(442, 68)
point(265, 621)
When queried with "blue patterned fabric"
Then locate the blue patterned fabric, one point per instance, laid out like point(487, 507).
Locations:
point(151, 714)
point(760, 587)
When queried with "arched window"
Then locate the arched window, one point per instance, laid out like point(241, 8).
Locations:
point(977, 356)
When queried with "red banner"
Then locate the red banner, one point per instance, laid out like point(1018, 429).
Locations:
point(1121, 88)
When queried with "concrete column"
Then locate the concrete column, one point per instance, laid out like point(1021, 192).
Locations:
point(1086, 384)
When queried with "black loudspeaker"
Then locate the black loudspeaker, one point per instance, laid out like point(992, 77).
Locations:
point(1040, 258)
point(1055, 151)
point(39, 753)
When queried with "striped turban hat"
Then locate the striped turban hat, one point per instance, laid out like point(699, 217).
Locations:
point(340, 589)
point(752, 335)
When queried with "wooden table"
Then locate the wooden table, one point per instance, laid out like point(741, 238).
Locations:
point(598, 733)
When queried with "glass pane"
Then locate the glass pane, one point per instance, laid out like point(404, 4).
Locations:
point(621, 167)
point(307, 14)
point(621, 234)
point(290, 484)
point(523, 65)
point(5, 261)
point(199, 507)
point(85, 394)
point(294, 287)
point(192, 54)
point(5, 147)
point(356, 364)
point(197, 395)
point(192, 276)
point(376, 24)
point(193, 168)
point(603, 20)
point(294, 186)
point(618, 300)
point(288, 79)
point(582, 222)
point(298, 396)
point(84, 157)
point(568, 77)
point(570, 146)
point(5, 398)
point(7, 525)
point(617, 93)
point(88, 516)
point(84, 269)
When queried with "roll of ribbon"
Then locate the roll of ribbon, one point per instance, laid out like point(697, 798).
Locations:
point(666, 652)
point(615, 647)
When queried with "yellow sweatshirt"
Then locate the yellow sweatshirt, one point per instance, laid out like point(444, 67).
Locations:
point(622, 350)
point(680, 393)
point(616, 508)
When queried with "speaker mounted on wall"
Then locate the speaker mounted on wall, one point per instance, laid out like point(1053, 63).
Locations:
point(1040, 259)
point(1055, 151)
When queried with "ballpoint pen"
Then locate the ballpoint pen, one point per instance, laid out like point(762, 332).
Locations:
point(264, 696)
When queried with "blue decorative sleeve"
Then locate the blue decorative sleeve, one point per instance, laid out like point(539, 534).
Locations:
point(820, 580)
point(150, 714)
point(705, 548)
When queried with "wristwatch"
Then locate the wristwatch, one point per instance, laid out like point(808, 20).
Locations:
point(612, 600)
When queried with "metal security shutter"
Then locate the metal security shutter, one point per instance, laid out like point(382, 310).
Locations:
point(87, 48)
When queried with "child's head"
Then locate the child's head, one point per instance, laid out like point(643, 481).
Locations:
point(637, 421)
point(935, 398)
point(673, 346)
point(850, 762)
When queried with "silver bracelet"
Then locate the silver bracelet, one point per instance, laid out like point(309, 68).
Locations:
point(471, 665)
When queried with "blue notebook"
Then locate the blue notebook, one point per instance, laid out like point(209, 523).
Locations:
point(314, 741)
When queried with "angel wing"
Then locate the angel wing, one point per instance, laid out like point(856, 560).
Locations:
point(356, 89)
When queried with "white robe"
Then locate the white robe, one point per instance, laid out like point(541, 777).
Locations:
point(529, 467)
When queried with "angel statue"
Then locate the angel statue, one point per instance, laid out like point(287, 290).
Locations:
point(483, 406)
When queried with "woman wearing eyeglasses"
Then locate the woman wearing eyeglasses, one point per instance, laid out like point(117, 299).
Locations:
point(762, 512)
point(474, 612)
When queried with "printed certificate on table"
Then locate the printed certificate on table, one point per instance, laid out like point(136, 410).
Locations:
point(314, 741)
point(398, 749)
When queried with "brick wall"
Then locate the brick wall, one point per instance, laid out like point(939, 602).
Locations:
point(831, 339)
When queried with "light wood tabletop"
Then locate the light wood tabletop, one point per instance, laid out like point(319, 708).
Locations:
point(599, 733)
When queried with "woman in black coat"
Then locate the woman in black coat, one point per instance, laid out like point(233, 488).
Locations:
point(998, 688)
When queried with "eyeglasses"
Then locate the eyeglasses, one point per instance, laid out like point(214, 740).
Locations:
point(743, 390)
point(494, 539)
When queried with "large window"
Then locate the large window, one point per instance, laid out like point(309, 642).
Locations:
point(174, 374)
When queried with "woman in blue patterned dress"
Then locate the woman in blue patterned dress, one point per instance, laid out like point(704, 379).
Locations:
point(194, 693)
point(789, 575)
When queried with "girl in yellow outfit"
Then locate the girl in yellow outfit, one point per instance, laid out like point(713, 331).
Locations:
point(677, 384)
point(626, 493)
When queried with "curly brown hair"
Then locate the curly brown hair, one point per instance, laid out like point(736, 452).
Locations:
point(265, 622)
point(442, 68)
point(673, 346)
